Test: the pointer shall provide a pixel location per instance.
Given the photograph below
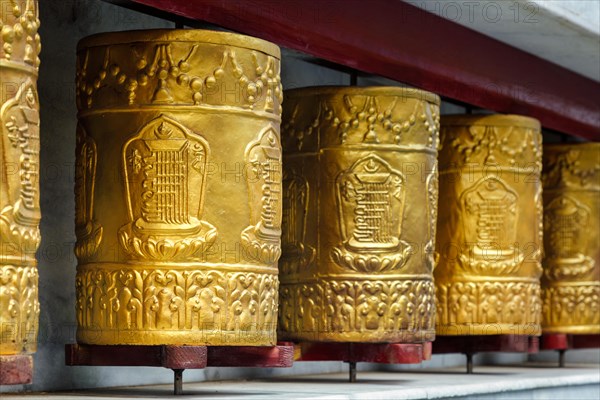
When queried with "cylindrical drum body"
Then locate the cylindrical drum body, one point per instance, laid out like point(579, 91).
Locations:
point(489, 232)
point(359, 210)
point(178, 188)
point(571, 280)
point(19, 176)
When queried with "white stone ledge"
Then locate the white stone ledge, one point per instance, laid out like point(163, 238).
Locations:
point(536, 381)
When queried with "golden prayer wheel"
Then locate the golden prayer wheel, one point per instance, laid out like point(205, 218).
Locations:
point(489, 232)
point(571, 280)
point(360, 201)
point(19, 177)
point(178, 188)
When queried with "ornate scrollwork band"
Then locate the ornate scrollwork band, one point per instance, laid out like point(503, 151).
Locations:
point(488, 308)
point(393, 310)
point(169, 306)
point(165, 68)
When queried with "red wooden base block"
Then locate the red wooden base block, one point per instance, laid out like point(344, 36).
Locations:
point(173, 357)
point(16, 370)
point(561, 341)
point(534, 344)
point(180, 357)
point(555, 341)
point(585, 341)
point(384, 353)
point(484, 343)
point(280, 356)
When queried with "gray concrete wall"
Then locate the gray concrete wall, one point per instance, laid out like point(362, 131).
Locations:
point(64, 22)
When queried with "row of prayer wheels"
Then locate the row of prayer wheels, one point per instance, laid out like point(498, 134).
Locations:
point(197, 222)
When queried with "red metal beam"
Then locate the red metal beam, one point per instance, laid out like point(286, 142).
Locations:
point(399, 41)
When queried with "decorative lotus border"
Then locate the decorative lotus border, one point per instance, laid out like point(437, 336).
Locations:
point(159, 248)
point(372, 262)
point(260, 250)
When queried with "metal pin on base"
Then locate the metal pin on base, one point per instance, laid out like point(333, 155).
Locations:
point(469, 363)
point(178, 381)
point(561, 358)
point(352, 370)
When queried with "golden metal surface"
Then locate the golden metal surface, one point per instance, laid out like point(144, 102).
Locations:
point(489, 233)
point(178, 188)
point(19, 176)
point(360, 201)
point(571, 280)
